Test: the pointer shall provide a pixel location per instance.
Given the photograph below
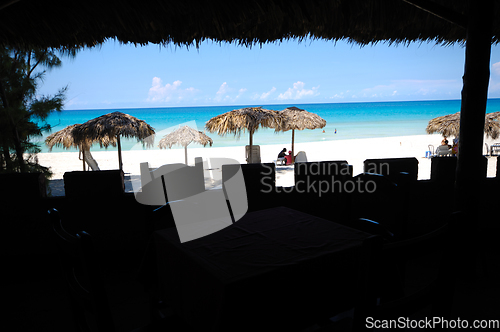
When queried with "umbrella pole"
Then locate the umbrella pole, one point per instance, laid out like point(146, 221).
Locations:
point(293, 147)
point(186, 154)
point(119, 153)
point(250, 148)
point(83, 158)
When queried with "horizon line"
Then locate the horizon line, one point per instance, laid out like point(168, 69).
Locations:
point(248, 105)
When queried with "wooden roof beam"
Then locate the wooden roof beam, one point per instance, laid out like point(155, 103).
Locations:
point(440, 11)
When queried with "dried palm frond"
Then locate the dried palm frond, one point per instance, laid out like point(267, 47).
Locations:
point(184, 136)
point(449, 125)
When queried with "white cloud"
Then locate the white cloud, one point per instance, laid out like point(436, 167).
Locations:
point(226, 93)
point(266, 94)
point(223, 89)
point(168, 92)
point(240, 92)
point(495, 68)
point(298, 92)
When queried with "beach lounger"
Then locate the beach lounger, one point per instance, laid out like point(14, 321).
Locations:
point(443, 150)
point(255, 154)
point(301, 157)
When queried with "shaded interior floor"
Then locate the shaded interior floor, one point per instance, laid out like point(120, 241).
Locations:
point(38, 301)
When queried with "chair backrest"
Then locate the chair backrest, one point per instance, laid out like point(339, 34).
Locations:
point(392, 167)
point(382, 261)
point(301, 157)
point(255, 154)
point(376, 197)
point(260, 179)
point(100, 184)
point(88, 299)
point(329, 171)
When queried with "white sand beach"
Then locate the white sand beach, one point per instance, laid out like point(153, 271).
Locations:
point(354, 151)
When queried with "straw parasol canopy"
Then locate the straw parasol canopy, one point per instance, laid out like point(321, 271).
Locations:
point(449, 125)
point(184, 136)
point(245, 119)
point(65, 139)
point(108, 127)
point(299, 119)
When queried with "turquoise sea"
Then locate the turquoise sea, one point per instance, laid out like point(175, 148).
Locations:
point(343, 121)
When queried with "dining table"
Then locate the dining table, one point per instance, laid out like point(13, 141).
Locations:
point(274, 269)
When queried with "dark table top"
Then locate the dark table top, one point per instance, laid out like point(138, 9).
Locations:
point(270, 263)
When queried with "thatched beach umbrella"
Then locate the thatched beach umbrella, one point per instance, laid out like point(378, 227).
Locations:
point(184, 136)
point(65, 139)
point(108, 127)
point(299, 119)
point(449, 125)
point(248, 118)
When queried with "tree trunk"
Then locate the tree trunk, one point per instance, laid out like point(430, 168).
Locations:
point(87, 157)
point(15, 134)
point(6, 157)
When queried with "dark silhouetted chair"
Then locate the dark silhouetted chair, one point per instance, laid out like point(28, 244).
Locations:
point(411, 278)
point(426, 285)
point(87, 292)
point(320, 189)
point(260, 183)
point(99, 184)
point(392, 167)
point(376, 197)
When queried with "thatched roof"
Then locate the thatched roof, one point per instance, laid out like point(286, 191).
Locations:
point(62, 138)
point(65, 138)
point(69, 24)
point(184, 136)
point(105, 128)
point(244, 119)
point(299, 119)
point(449, 125)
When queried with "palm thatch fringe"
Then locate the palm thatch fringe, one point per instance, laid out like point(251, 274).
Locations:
point(299, 119)
point(244, 119)
point(65, 139)
point(248, 118)
point(106, 128)
point(184, 136)
point(75, 24)
point(449, 125)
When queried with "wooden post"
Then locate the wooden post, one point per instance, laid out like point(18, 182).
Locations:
point(83, 158)
point(293, 147)
point(469, 175)
point(120, 164)
point(186, 154)
point(250, 157)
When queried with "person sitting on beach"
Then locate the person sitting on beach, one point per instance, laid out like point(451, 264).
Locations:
point(445, 142)
point(288, 158)
point(282, 154)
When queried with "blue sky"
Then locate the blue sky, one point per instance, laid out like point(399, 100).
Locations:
point(125, 76)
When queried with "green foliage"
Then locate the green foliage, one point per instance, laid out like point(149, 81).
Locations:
point(21, 109)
